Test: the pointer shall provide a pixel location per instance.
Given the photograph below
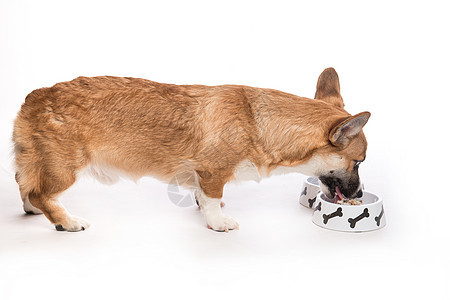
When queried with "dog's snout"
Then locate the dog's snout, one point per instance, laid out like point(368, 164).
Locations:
point(352, 191)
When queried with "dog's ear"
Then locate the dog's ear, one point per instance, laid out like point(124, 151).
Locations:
point(344, 131)
point(328, 88)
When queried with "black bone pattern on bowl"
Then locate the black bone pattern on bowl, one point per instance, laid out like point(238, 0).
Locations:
point(318, 207)
point(352, 221)
point(378, 218)
point(337, 213)
point(364, 214)
point(304, 191)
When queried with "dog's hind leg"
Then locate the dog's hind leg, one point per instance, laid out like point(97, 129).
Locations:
point(41, 179)
point(47, 202)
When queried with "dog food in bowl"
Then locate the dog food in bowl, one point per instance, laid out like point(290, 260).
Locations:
point(340, 199)
point(349, 202)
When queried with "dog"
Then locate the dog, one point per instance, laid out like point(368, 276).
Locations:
point(121, 126)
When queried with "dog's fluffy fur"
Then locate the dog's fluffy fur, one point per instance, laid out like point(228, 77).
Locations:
point(143, 128)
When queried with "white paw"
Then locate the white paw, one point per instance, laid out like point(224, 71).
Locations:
point(221, 222)
point(73, 223)
point(29, 208)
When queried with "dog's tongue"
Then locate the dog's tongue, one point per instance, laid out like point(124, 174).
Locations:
point(339, 194)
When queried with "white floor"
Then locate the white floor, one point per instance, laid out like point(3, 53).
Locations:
point(142, 246)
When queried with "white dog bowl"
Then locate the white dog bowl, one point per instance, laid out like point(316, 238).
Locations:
point(351, 218)
point(310, 189)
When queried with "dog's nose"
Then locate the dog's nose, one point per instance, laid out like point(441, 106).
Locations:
point(359, 194)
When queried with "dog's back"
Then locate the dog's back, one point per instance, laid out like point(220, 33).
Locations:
point(136, 126)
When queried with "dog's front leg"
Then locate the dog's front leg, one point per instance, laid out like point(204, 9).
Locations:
point(215, 219)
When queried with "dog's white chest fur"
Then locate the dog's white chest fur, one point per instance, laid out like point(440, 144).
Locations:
point(316, 165)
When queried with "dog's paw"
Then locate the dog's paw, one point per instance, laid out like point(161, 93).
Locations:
point(73, 224)
point(222, 222)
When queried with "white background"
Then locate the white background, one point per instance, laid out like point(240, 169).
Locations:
point(393, 60)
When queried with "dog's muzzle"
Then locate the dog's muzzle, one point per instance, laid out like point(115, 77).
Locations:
point(329, 187)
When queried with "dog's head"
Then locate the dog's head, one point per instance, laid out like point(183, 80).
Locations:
point(347, 143)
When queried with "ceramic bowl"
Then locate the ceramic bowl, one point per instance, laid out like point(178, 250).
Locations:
point(309, 192)
point(350, 218)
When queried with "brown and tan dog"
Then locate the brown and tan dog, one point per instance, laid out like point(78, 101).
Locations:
point(123, 126)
